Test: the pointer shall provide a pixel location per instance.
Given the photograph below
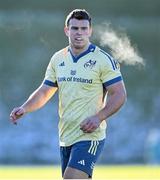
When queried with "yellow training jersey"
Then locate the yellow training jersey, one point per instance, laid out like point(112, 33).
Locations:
point(81, 81)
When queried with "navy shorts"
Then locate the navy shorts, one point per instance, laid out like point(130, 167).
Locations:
point(81, 155)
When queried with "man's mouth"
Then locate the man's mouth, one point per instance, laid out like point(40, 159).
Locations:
point(78, 39)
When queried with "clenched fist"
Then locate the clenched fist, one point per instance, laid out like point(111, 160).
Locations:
point(16, 114)
point(90, 124)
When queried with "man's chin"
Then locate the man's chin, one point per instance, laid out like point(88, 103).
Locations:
point(79, 46)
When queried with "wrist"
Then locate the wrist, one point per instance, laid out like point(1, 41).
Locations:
point(101, 116)
point(24, 109)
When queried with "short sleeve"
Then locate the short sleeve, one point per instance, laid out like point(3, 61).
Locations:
point(50, 75)
point(110, 70)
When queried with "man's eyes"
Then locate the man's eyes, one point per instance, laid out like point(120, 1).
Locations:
point(84, 28)
point(76, 28)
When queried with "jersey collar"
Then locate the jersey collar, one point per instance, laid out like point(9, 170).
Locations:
point(91, 48)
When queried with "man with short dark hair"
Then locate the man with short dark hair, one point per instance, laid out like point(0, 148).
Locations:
point(82, 73)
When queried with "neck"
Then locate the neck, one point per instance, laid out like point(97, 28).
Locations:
point(77, 51)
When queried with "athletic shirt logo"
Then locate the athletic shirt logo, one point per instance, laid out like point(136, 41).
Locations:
point(89, 64)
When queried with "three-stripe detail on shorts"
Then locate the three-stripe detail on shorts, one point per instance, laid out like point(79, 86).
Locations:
point(93, 147)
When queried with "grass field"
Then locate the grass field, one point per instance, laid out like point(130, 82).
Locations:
point(101, 172)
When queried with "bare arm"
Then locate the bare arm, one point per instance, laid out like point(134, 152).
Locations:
point(116, 98)
point(35, 101)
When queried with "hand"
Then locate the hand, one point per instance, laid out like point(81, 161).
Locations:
point(90, 124)
point(17, 113)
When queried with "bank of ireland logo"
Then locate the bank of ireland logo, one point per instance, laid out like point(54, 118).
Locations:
point(89, 64)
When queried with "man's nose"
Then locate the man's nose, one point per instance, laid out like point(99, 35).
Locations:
point(79, 31)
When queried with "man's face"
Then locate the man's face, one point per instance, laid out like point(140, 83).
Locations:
point(78, 33)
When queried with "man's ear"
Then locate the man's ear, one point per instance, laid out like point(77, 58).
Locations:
point(66, 30)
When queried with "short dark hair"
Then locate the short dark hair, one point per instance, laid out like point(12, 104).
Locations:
point(80, 14)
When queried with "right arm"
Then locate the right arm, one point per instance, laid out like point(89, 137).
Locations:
point(35, 101)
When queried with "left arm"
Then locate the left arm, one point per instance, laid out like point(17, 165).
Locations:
point(115, 99)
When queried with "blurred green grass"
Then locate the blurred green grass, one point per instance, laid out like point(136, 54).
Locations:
point(101, 172)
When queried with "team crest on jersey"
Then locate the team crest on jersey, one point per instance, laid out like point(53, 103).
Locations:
point(73, 72)
point(89, 64)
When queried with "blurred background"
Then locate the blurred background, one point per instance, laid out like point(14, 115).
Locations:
point(30, 32)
